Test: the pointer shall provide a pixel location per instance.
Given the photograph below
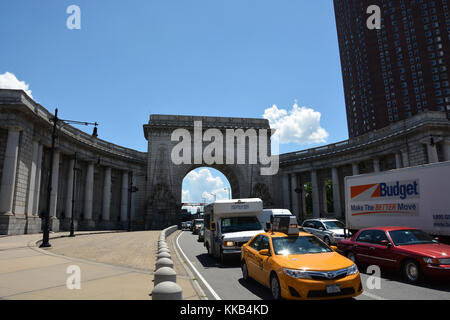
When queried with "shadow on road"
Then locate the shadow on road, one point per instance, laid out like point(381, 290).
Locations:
point(427, 283)
point(256, 288)
point(210, 262)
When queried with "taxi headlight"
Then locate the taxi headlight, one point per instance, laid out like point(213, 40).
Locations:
point(297, 274)
point(352, 270)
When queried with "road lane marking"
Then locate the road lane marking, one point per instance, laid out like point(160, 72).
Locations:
point(190, 275)
point(215, 295)
point(373, 296)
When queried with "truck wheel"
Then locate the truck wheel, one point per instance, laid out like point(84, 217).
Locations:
point(411, 271)
point(222, 258)
point(275, 287)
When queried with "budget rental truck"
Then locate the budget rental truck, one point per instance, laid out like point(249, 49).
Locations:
point(416, 197)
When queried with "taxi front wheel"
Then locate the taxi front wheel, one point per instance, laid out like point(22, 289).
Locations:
point(245, 271)
point(275, 287)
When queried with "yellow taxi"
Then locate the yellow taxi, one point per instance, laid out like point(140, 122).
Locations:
point(298, 266)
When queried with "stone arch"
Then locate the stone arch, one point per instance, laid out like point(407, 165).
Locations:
point(165, 178)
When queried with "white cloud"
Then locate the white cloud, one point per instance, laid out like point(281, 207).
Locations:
point(10, 81)
point(300, 125)
point(198, 185)
point(185, 196)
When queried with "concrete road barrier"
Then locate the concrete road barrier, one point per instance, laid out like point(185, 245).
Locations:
point(165, 274)
point(165, 277)
point(167, 291)
point(163, 250)
point(163, 262)
point(163, 255)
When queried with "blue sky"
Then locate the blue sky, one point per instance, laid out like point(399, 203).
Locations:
point(198, 57)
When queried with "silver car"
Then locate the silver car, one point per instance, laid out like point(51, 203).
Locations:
point(329, 230)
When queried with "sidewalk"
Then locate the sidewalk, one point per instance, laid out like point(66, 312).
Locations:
point(114, 266)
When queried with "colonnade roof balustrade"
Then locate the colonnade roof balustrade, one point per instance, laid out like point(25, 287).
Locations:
point(396, 130)
point(22, 100)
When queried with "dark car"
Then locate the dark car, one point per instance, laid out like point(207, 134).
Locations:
point(409, 250)
point(198, 223)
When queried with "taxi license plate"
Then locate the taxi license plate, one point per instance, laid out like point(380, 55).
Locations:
point(334, 289)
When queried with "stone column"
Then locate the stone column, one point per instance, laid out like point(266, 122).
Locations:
point(69, 190)
point(55, 180)
point(124, 201)
point(405, 158)
point(285, 190)
point(398, 160)
point(336, 193)
point(37, 187)
point(446, 147)
point(32, 180)
point(89, 192)
point(303, 202)
point(376, 165)
point(294, 194)
point(107, 195)
point(9, 172)
point(133, 206)
point(324, 199)
point(355, 169)
point(432, 153)
point(315, 194)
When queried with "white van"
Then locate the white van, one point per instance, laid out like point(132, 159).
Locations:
point(267, 214)
point(229, 224)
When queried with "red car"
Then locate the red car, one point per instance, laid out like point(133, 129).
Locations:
point(409, 250)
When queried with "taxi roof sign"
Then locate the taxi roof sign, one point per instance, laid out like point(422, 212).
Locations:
point(285, 224)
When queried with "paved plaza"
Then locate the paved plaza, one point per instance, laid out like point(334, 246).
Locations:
point(114, 266)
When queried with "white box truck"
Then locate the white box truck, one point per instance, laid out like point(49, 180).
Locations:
point(267, 215)
point(229, 224)
point(416, 197)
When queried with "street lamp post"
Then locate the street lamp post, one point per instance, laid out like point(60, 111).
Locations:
point(75, 170)
point(229, 192)
point(46, 232)
point(46, 229)
point(132, 189)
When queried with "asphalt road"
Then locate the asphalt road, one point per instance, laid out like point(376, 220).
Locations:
point(227, 283)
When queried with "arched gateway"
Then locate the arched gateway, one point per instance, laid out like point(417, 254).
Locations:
point(225, 144)
point(92, 179)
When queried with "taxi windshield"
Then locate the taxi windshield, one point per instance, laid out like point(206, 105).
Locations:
point(299, 245)
point(237, 224)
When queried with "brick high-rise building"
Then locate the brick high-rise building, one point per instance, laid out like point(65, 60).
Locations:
point(397, 71)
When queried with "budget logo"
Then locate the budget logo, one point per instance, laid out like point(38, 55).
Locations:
point(400, 190)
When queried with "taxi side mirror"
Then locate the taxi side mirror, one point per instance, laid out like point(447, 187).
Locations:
point(334, 248)
point(212, 226)
point(264, 252)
